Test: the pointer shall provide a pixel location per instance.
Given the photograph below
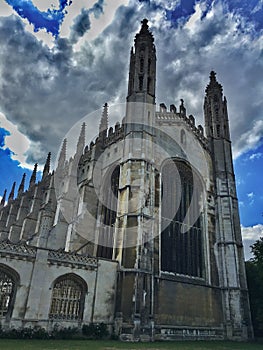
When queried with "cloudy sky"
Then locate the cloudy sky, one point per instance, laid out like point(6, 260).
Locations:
point(61, 60)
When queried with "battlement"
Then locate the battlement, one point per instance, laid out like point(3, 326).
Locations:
point(163, 116)
point(105, 139)
point(115, 134)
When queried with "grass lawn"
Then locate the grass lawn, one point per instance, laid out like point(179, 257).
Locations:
point(12, 344)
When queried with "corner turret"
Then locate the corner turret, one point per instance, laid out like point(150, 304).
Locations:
point(142, 75)
point(215, 109)
point(229, 247)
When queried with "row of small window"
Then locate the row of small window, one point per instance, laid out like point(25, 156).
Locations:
point(67, 301)
point(142, 66)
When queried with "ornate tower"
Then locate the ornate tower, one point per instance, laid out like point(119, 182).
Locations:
point(133, 244)
point(229, 248)
point(142, 78)
point(142, 75)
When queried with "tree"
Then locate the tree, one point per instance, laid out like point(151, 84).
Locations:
point(254, 270)
point(257, 250)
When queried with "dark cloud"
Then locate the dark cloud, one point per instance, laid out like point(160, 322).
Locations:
point(218, 42)
point(46, 91)
point(82, 22)
point(98, 8)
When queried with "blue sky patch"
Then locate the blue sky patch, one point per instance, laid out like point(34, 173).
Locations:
point(248, 169)
point(250, 10)
point(50, 20)
point(10, 169)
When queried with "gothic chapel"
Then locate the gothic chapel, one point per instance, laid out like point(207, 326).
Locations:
point(139, 230)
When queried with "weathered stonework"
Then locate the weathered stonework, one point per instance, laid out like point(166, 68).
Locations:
point(154, 249)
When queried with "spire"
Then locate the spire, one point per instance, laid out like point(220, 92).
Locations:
point(47, 166)
point(213, 85)
point(215, 110)
point(142, 74)
point(81, 140)
point(104, 120)
point(33, 177)
point(145, 29)
point(3, 199)
point(12, 193)
point(22, 185)
point(62, 155)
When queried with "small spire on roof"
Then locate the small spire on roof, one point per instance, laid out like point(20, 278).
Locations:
point(12, 193)
point(104, 119)
point(62, 155)
point(22, 185)
point(33, 177)
point(81, 140)
point(47, 166)
point(3, 198)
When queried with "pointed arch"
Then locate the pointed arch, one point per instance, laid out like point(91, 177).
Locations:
point(9, 281)
point(182, 250)
point(68, 297)
point(108, 211)
point(183, 137)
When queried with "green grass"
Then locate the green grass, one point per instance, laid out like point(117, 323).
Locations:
point(12, 344)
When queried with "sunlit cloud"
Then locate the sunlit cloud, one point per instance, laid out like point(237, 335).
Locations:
point(15, 141)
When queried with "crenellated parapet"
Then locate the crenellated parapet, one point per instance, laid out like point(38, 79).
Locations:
point(111, 136)
point(172, 116)
point(115, 134)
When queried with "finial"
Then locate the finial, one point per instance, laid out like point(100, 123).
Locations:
point(33, 177)
point(213, 84)
point(81, 140)
point(212, 76)
point(47, 166)
point(145, 28)
point(22, 185)
point(12, 193)
point(144, 23)
point(3, 198)
point(182, 108)
point(104, 119)
point(62, 155)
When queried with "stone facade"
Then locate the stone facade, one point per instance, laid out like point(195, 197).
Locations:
point(139, 230)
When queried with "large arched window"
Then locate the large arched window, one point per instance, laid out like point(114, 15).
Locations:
point(8, 284)
point(68, 296)
point(182, 233)
point(109, 213)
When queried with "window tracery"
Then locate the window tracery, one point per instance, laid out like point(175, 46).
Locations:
point(109, 213)
point(7, 292)
point(181, 239)
point(68, 297)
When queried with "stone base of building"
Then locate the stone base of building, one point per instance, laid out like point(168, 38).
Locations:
point(175, 333)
